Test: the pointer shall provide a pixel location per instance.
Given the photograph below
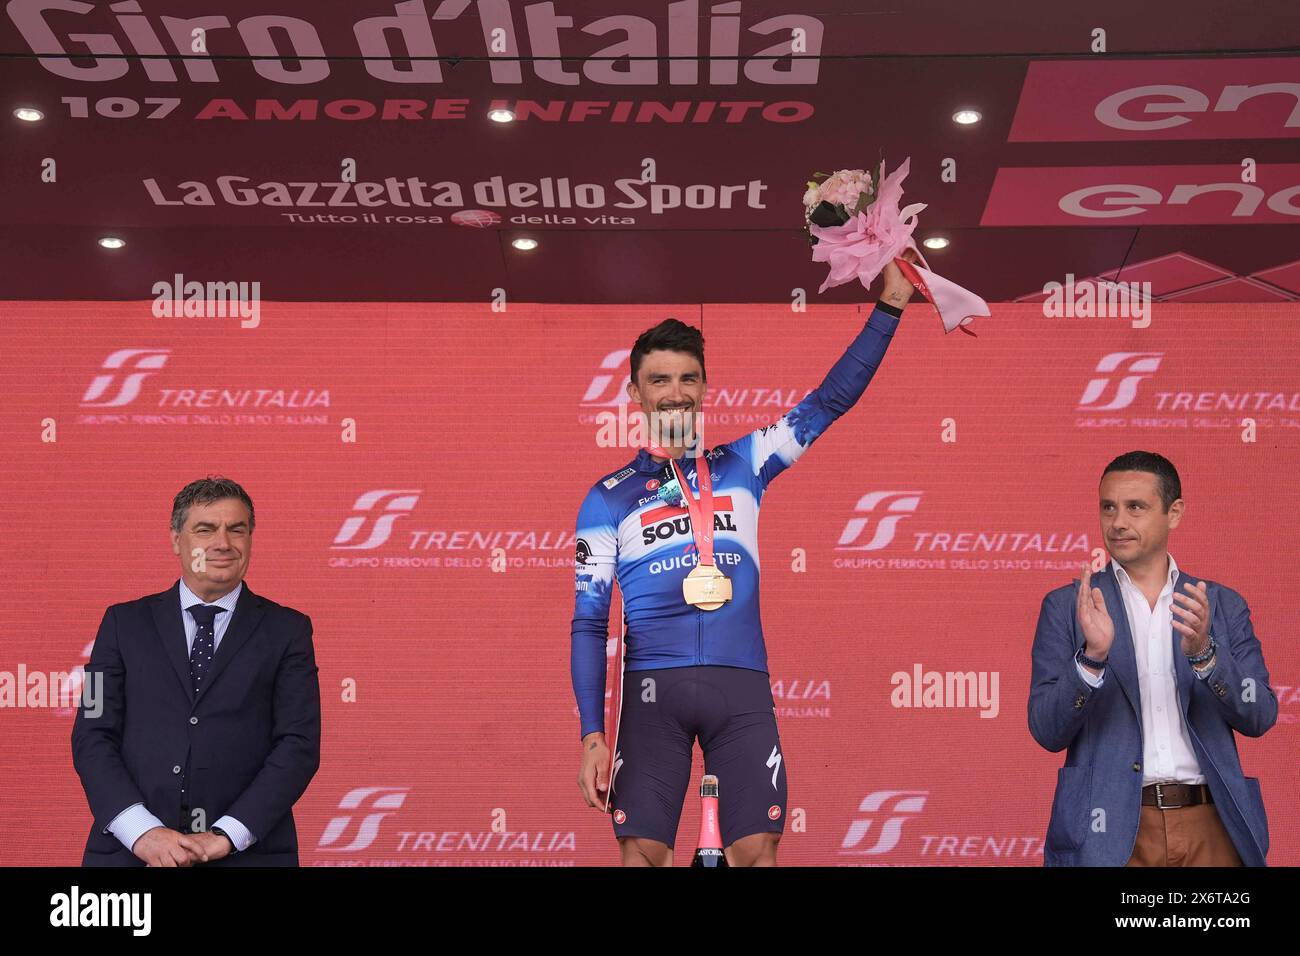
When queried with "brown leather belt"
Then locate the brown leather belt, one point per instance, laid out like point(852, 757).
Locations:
point(1169, 796)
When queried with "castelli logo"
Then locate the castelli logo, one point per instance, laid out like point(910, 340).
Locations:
point(652, 484)
point(774, 812)
point(619, 816)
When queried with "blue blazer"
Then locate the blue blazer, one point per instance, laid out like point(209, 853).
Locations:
point(252, 742)
point(1101, 728)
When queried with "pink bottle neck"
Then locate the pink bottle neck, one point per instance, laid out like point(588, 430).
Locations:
point(710, 837)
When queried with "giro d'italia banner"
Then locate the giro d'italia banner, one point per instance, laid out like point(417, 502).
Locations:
point(417, 470)
point(374, 125)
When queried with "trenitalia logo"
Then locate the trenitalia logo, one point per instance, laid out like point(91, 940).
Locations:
point(640, 51)
point(887, 811)
point(380, 509)
point(123, 373)
point(980, 549)
point(125, 369)
point(888, 508)
point(607, 387)
point(370, 527)
point(1129, 369)
point(385, 800)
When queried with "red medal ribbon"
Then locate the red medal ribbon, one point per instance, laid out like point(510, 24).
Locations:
point(701, 511)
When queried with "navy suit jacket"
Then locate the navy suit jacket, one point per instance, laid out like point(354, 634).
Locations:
point(1101, 728)
point(251, 741)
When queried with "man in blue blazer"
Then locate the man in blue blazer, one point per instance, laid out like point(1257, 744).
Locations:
point(1142, 676)
point(207, 728)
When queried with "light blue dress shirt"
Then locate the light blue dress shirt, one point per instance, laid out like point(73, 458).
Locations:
point(136, 820)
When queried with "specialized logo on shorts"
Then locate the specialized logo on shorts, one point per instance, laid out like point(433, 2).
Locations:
point(618, 765)
point(774, 761)
point(619, 816)
point(774, 812)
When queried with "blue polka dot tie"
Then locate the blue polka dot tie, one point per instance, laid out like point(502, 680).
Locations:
point(205, 643)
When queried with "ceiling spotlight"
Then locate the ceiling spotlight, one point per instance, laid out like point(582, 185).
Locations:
point(524, 244)
point(966, 117)
point(29, 114)
point(112, 242)
point(935, 242)
point(501, 116)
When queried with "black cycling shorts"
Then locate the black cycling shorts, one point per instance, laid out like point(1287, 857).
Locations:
point(730, 710)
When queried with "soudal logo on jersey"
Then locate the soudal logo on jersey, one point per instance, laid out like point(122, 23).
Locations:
point(659, 524)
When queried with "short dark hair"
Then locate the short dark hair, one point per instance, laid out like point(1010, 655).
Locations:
point(204, 492)
point(1171, 488)
point(672, 335)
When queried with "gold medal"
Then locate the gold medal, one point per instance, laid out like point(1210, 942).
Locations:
point(706, 587)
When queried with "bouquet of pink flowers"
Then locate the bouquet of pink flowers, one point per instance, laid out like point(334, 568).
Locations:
point(853, 220)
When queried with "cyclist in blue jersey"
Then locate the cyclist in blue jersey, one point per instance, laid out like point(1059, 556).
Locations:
point(693, 673)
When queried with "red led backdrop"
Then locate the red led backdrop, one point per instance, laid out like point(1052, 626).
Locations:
point(477, 430)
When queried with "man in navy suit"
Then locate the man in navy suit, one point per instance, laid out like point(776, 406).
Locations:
point(1145, 680)
point(210, 723)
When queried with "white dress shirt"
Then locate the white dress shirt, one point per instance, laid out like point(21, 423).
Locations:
point(1167, 754)
point(133, 822)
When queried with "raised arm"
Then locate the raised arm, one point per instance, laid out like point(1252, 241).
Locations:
point(773, 448)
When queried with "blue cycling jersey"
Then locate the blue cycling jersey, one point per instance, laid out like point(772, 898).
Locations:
point(625, 529)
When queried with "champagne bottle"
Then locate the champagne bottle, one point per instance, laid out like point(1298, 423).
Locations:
point(709, 851)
